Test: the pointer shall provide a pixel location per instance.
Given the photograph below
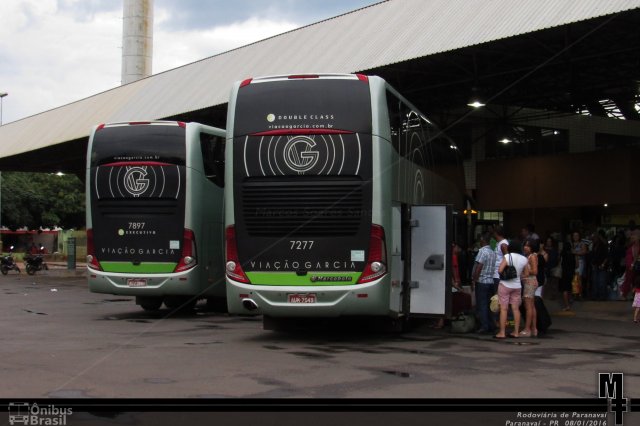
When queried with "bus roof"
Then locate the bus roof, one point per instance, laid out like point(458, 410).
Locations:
point(305, 76)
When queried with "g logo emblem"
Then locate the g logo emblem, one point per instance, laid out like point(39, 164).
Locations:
point(298, 154)
point(135, 182)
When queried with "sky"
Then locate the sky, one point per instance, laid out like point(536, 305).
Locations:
point(54, 52)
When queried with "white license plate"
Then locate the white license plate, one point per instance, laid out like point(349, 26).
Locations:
point(302, 298)
point(137, 282)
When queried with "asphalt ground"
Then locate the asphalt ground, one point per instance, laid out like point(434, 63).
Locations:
point(61, 341)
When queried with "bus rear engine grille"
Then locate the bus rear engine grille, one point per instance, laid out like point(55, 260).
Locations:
point(303, 208)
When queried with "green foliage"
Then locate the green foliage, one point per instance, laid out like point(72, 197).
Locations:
point(42, 199)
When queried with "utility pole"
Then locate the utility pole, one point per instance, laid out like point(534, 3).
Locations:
point(2, 95)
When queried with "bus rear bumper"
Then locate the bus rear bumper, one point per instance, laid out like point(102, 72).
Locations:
point(185, 283)
point(319, 301)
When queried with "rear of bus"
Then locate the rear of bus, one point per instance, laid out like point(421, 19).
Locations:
point(141, 240)
point(300, 240)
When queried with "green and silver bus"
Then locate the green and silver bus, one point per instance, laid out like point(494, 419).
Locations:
point(323, 175)
point(155, 226)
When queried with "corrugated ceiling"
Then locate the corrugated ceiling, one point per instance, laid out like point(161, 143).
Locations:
point(378, 35)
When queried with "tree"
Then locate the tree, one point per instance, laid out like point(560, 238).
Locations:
point(42, 199)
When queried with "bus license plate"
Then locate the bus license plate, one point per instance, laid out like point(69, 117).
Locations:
point(302, 298)
point(137, 282)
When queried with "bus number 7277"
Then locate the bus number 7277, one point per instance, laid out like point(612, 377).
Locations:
point(301, 244)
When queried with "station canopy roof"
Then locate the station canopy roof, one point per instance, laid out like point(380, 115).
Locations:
point(551, 54)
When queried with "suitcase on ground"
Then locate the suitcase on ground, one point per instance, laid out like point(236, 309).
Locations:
point(543, 318)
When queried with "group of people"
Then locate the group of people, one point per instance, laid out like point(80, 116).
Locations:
point(490, 277)
point(517, 271)
point(592, 268)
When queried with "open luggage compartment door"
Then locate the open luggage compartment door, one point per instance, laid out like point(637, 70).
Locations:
point(430, 281)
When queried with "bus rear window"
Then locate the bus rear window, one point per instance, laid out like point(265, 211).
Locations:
point(139, 143)
point(331, 104)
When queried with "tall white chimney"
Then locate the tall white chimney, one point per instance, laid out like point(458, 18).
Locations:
point(137, 40)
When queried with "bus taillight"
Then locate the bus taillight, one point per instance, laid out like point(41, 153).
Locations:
point(376, 265)
point(188, 258)
point(233, 267)
point(92, 260)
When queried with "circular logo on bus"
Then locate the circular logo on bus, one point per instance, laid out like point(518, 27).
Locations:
point(135, 182)
point(299, 155)
point(271, 118)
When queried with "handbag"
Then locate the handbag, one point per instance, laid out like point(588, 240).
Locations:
point(576, 285)
point(494, 304)
point(509, 272)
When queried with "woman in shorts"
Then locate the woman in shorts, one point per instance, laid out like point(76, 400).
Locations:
point(529, 286)
point(509, 291)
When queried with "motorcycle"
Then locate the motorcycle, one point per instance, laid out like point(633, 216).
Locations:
point(8, 264)
point(34, 262)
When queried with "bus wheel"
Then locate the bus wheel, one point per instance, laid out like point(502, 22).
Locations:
point(149, 303)
point(171, 302)
point(217, 304)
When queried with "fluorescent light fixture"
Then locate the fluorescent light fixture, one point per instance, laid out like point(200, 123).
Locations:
point(476, 104)
point(505, 140)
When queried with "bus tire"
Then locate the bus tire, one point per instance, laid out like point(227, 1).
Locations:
point(149, 303)
point(171, 302)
